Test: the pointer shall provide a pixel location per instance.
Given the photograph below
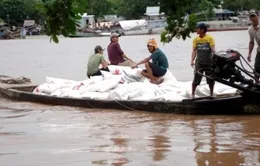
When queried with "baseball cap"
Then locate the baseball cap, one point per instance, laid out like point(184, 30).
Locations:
point(114, 34)
point(253, 13)
point(98, 47)
point(202, 26)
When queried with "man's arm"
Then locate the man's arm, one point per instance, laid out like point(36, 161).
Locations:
point(194, 52)
point(213, 50)
point(142, 62)
point(103, 62)
point(251, 46)
point(212, 45)
point(193, 56)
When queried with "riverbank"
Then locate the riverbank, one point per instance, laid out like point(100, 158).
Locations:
point(227, 25)
point(214, 26)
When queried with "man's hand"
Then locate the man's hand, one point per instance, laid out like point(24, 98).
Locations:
point(134, 66)
point(192, 64)
point(249, 58)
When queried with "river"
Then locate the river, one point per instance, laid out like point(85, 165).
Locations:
point(35, 134)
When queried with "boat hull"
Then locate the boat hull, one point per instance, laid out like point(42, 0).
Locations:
point(206, 106)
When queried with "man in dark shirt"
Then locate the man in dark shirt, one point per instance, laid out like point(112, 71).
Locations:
point(115, 54)
point(158, 67)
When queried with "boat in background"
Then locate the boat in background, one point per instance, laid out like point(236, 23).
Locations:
point(153, 22)
point(85, 35)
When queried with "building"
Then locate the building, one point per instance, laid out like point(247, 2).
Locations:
point(154, 18)
point(86, 20)
point(223, 14)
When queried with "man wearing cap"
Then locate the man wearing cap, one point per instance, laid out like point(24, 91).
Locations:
point(94, 62)
point(203, 49)
point(115, 54)
point(159, 64)
point(254, 33)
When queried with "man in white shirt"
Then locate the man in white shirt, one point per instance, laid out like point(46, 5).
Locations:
point(254, 33)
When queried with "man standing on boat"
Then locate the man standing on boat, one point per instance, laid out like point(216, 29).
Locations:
point(254, 33)
point(203, 50)
point(159, 64)
point(95, 61)
point(115, 54)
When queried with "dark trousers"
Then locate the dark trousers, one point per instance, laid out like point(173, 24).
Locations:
point(98, 73)
point(197, 77)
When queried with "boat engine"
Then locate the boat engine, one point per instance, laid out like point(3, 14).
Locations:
point(225, 67)
point(226, 71)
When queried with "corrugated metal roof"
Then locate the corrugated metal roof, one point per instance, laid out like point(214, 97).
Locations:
point(223, 11)
point(153, 10)
point(28, 23)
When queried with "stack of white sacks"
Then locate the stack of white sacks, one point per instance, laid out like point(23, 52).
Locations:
point(124, 83)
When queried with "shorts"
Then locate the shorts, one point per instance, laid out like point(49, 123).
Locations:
point(126, 63)
point(257, 63)
point(197, 77)
point(157, 71)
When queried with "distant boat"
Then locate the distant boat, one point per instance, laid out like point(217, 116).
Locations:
point(154, 22)
point(84, 35)
point(142, 27)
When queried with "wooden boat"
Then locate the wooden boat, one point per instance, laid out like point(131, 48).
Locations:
point(84, 35)
point(232, 104)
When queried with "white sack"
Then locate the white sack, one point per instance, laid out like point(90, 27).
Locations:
point(101, 86)
point(46, 88)
point(59, 80)
point(127, 87)
point(117, 70)
point(169, 76)
point(95, 95)
point(133, 91)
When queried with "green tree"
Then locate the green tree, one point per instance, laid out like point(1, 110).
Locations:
point(1, 21)
point(99, 7)
point(62, 16)
point(12, 12)
point(15, 12)
point(179, 26)
point(206, 7)
point(134, 9)
point(238, 5)
point(34, 10)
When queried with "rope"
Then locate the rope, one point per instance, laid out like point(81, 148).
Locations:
point(207, 76)
point(125, 106)
point(254, 72)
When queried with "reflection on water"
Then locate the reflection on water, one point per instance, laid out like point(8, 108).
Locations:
point(48, 135)
point(40, 135)
point(221, 142)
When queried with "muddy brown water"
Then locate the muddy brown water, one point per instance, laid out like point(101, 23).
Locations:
point(35, 134)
